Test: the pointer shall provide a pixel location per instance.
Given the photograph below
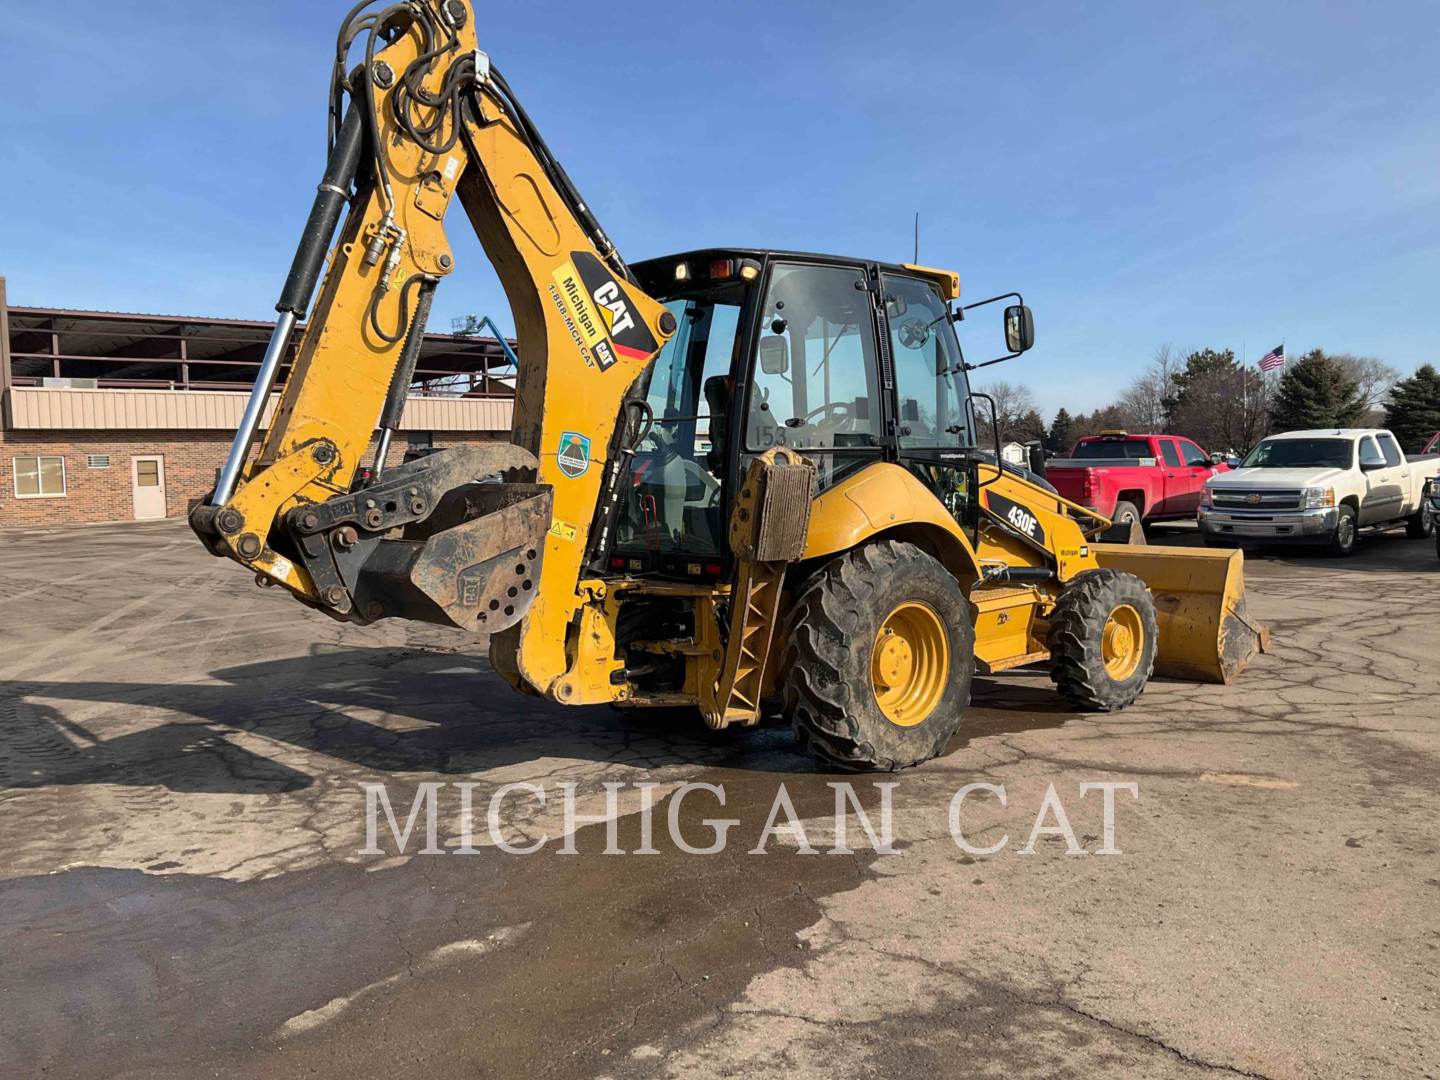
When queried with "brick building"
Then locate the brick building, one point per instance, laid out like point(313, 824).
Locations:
point(107, 416)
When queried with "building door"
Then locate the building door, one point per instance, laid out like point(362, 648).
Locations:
point(147, 481)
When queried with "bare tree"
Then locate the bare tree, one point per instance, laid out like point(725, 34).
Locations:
point(1013, 405)
point(1147, 400)
point(1372, 376)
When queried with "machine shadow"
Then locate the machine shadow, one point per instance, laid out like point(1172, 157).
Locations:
point(379, 709)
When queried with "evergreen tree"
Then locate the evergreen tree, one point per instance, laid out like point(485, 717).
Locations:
point(1030, 426)
point(1062, 435)
point(1316, 392)
point(1413, 411)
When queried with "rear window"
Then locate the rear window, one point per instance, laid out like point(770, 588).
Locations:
point(1135, 449)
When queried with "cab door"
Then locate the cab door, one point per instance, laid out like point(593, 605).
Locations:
point(1399, 471)
point(815, 383)
point(1383, 498)
point(1173, 482)
point(932, 417)
point(1195, 468)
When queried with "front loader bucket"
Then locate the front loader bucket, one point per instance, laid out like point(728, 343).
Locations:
point(1205, 633)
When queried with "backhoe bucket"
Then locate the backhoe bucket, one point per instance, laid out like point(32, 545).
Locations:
point(452, 539)
point(1205, 633)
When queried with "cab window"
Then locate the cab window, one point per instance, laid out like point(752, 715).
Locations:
point(673, 500)
point(1389, 449)
point(1168, 452)
point(930, 385)
point(814, 386)
point(1369, 455)
point(1193, 455)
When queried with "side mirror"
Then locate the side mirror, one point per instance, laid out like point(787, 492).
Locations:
point(774, 355)
point(1371, 466)
point(1217, 458)
point(1019, 328)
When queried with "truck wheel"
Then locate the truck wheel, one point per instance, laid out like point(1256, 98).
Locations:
point(1342, 540)
point(1125, 513)
point(877, 670)
point(1419, 525)
point(1103, 638)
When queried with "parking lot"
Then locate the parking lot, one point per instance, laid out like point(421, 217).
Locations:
point(183, 889)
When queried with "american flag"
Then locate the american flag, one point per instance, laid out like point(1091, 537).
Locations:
point(1273, 359)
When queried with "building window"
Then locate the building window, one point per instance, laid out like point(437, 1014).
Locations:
point(97, 461)
point(147, 472)
point(39, 476)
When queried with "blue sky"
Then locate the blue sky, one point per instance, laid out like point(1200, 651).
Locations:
point(1217, 174)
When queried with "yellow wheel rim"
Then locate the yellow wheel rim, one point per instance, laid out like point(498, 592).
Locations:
point(910, 664)
point(1122, 642)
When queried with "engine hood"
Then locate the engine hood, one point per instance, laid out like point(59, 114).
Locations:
point(1274, 478)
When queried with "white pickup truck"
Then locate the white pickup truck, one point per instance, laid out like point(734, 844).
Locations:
point(1319, 487)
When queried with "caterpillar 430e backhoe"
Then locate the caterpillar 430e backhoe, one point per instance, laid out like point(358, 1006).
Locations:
point(736, 477)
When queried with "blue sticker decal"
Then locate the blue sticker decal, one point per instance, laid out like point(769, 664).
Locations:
point(574, 455)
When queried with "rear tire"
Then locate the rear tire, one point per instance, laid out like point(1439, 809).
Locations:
point(1096, 661)
point(834, 681)
point(1419, 525)
point(1125, 513)
point(1342, 540)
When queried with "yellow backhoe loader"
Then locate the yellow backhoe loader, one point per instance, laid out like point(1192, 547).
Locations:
point(739, 480)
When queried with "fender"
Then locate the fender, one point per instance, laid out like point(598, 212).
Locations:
point(886, 498)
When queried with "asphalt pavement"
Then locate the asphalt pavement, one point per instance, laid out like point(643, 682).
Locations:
point(187, 889)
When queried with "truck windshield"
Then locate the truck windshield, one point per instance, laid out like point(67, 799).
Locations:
point(1301, 454)
point(1134, 449)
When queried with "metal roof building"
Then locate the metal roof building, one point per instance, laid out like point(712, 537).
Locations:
point(98, 408)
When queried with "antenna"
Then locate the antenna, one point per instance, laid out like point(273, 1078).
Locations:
point(917, 238)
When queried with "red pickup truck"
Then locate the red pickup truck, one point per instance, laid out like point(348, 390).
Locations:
point(1134, 477)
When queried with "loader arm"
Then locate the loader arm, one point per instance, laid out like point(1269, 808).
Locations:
point(429, 120)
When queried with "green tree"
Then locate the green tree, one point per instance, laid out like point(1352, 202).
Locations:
point(1413, 411)
point(1316, 392)
point(1062, 435)
point(1030, 426)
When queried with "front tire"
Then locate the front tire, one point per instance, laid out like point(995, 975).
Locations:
point(1103, 638)
point(1342, 540)
point(878, 667)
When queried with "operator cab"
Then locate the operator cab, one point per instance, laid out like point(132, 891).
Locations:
point(850, 362)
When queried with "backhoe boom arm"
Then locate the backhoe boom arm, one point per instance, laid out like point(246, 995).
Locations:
point(430, 120)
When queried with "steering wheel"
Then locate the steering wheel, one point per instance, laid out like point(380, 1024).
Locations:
point(666, 449)
point(836, 412)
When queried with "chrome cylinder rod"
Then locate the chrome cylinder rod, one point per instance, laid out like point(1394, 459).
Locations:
point(254, 409)
point(382, 450)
